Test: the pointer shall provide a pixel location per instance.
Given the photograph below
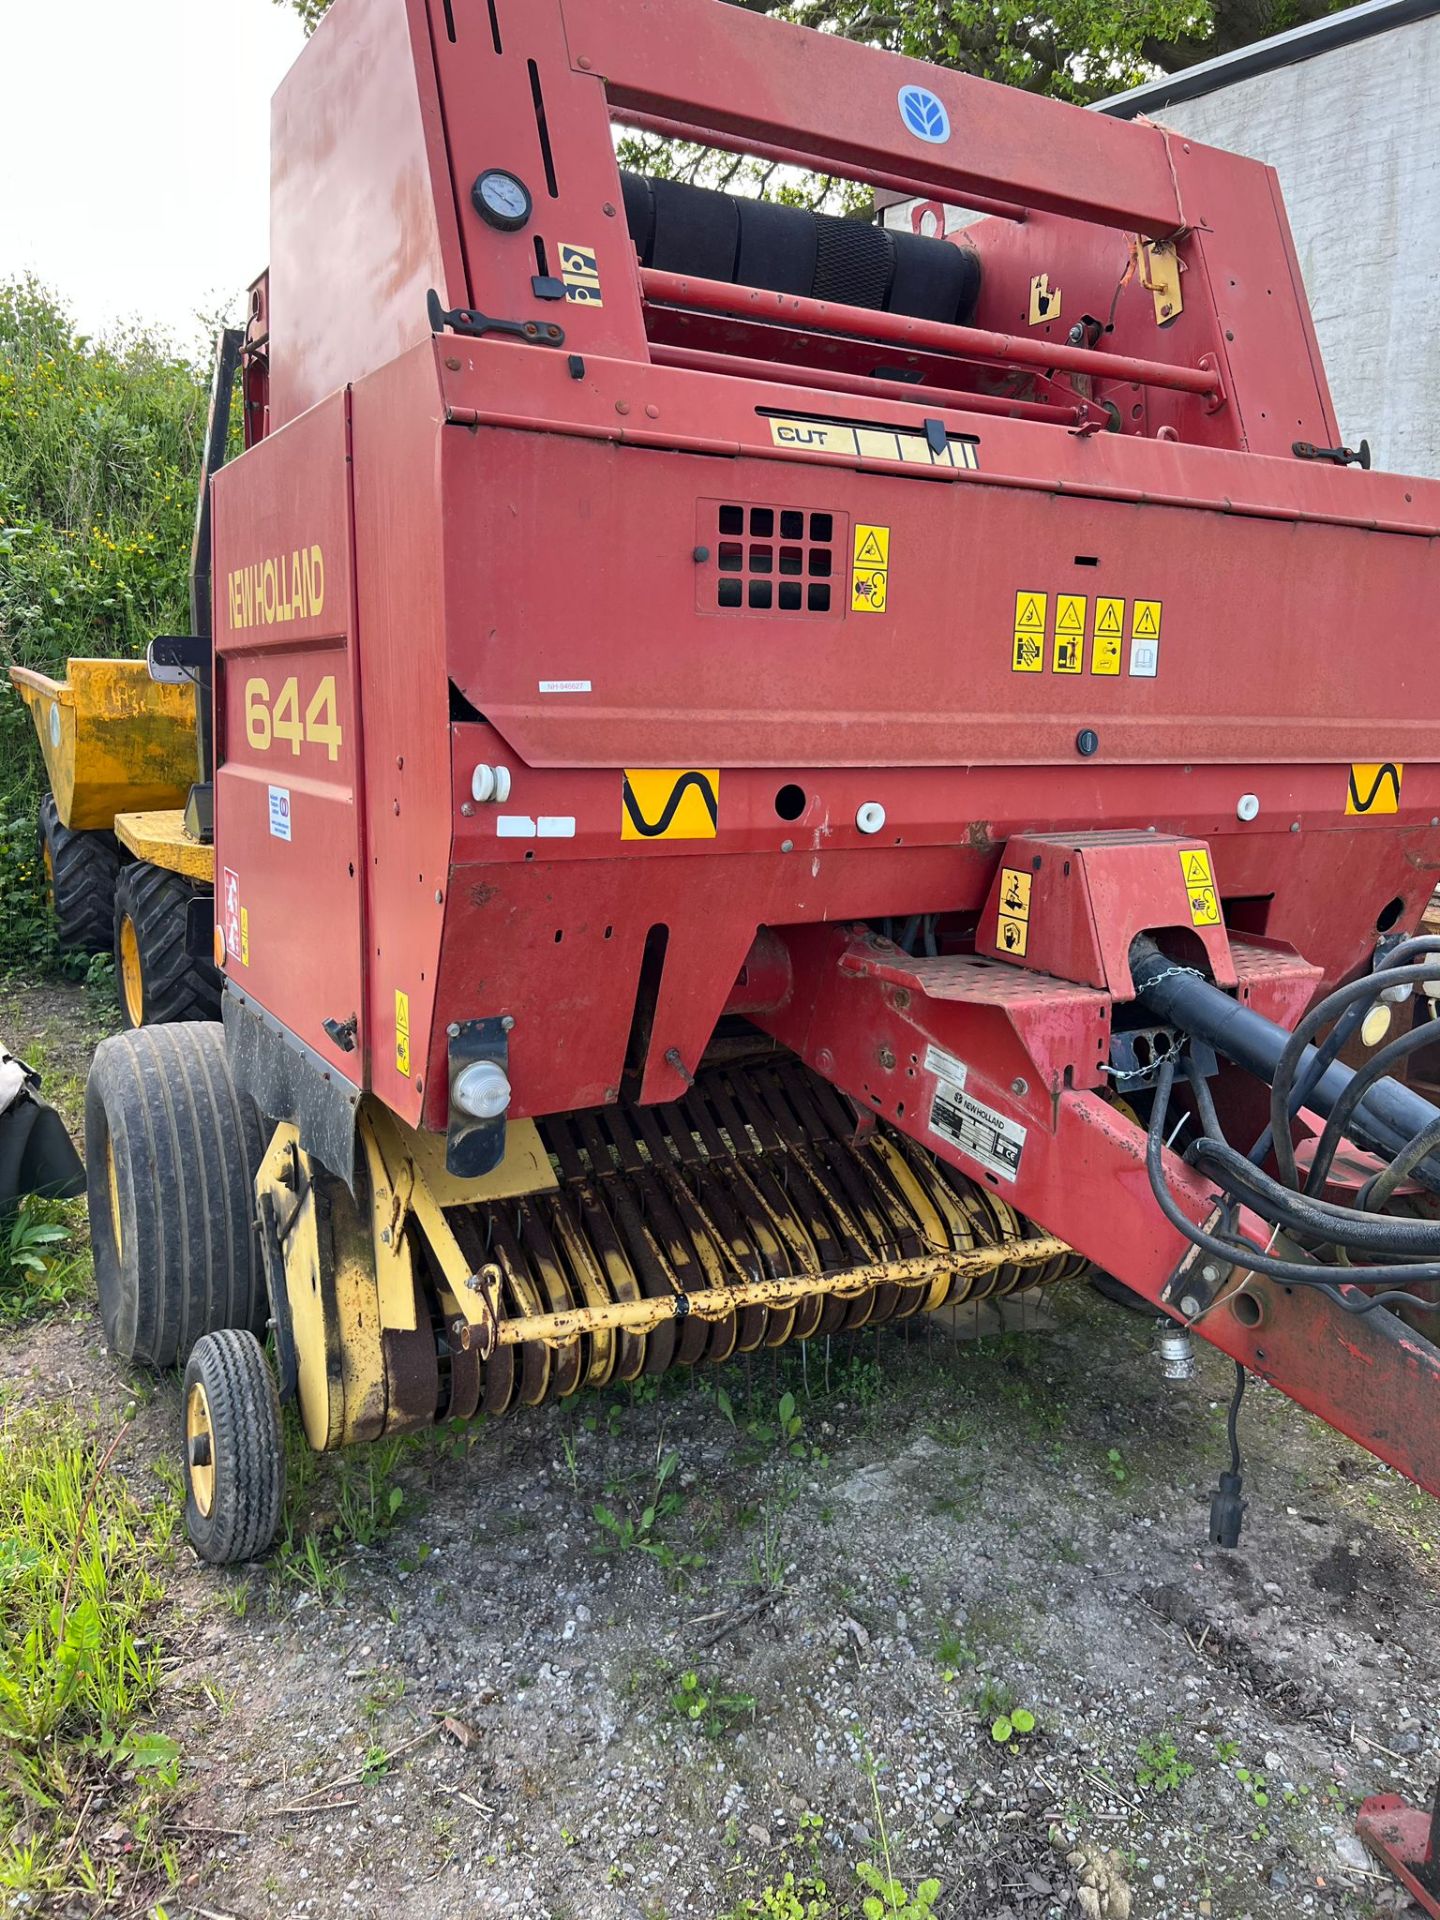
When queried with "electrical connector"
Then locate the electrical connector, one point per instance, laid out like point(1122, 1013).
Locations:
point(1227, 1512)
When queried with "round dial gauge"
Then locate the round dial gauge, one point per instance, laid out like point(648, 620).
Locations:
point(501, 200)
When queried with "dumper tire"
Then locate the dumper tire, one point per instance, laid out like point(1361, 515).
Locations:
point(233, 1448)
point(157, 979)
point(81, 870)
point(171, 1151)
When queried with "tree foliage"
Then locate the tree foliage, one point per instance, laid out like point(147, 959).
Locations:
point(1076, 49)
point(99, 452)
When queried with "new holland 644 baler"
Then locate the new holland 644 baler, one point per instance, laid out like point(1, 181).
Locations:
point(750, 750)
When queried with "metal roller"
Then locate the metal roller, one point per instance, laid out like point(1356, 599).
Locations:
point(755, 1211)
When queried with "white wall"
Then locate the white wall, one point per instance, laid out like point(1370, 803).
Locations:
point(1354, 135)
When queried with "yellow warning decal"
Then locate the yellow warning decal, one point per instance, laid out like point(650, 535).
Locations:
point(873, 443)
point(872, 546)
point(244, 936)
point(1030, 611)
point(669, 803)
point(1200, 885)
point(580, 275)
point(1374, 787)
point(1029, 654)
point(1012, 929)
point(867, 590)
point(402, 1033)
point(1145, 620)
point(1069, 632)
point(869, 575)
point(1109, 630)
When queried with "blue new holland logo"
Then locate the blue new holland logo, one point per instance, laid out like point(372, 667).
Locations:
point(924, 115)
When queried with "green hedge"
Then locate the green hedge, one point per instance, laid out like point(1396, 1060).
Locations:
point(100, 444)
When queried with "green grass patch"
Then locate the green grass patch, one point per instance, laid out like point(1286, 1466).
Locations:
point(80, 1665)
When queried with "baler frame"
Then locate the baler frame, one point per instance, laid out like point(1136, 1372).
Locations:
point(626, 664)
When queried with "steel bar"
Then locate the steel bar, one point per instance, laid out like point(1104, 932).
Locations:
point(798, 157)
point(689, 291)
point(714, 1303)
point(831, 380)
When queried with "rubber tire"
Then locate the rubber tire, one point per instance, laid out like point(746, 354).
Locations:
point(247, 1449)
point(174, 985)
point(84, 868)
point(186, 1147)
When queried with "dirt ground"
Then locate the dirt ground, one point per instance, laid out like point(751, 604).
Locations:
point(458, 1690)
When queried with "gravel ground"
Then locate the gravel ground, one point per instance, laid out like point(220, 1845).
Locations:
point(457, 1690)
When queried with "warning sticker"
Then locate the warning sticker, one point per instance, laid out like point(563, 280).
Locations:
point(402, 1033)
point(1070, 613)
point(244, 936)
point(669, 803)
point(1109, 631)
point(1069, 652)
point(872, 546)
point(869, 573)
point(867, 590)
point(1374, 787)
point(230, 912)
point(1200, 885)
point(977, 1130)
point(1030, 612)
point(1029, 654)
point(1012, 928)
point(580, 275)
point(1145, 620)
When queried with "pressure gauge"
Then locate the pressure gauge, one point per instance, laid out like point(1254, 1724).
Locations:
point(501, 200)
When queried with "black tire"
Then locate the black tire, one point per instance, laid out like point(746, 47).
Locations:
point(156, 979)
point(81, 869)
point(233, 1449)
point(171, 1150)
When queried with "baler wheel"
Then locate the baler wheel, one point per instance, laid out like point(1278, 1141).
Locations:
point(234, 1455)
point(81, 870)
point(156, 978)
point(171, 1151)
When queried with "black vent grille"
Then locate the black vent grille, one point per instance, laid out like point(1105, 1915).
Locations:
point(769, 559)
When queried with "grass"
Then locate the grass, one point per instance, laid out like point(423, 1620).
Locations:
point(81, 1659)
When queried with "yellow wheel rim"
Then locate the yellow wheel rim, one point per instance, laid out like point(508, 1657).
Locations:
point(200, 1449)
point(130, 982)
point(49, 859)
point(112, 1181)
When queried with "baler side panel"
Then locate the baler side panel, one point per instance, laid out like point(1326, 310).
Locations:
point(576, 543)
point(287, 731)
point(362, 218)
point(400, 524)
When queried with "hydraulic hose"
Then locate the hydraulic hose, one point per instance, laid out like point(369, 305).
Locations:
point(1389, 1115)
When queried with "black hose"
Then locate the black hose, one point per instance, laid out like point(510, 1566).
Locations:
point(1325, 1054)
point(1375, 1192)
point(1300, 1213)
point(1375, 1068)
point(1327, 1009)
point(1241, 1253)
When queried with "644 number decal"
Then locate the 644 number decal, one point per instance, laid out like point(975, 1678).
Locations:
point(281, 720)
